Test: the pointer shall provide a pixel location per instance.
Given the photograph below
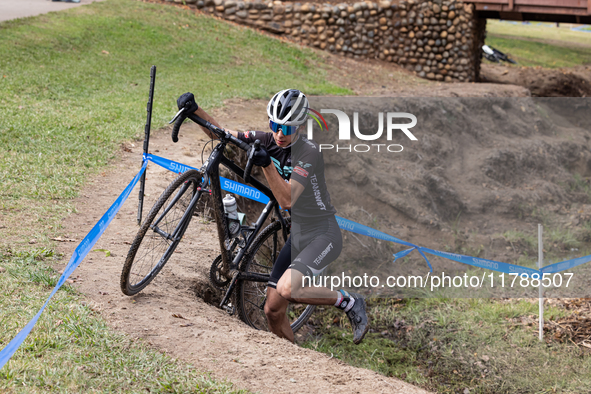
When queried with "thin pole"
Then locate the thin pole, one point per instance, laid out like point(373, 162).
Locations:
point(541, 288)
point(146, 142)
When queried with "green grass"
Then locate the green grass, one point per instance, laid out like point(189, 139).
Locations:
point(580, 184)
point(73, 87)
point(531, 54)
point(542, 32)
point(556, 240)
point(66, 103)
point(447, 346)
point(521, 241)
point(71, 349)
point(540, 44)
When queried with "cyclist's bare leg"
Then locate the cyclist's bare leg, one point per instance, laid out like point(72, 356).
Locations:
point(290, 287)
point(275, 309)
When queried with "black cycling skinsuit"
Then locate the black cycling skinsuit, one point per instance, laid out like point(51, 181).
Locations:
point(315, 239)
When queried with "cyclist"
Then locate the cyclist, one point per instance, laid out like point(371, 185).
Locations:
point(315, 238)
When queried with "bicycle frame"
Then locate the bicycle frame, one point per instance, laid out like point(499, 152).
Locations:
point(210, 170)
point(211, 176)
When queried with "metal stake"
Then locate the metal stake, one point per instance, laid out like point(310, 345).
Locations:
point(146, 142)
point(541, 287)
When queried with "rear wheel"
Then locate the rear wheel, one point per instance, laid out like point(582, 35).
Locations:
point(252, 295)
point(160, 234)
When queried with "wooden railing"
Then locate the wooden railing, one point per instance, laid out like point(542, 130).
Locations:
point(557, 7)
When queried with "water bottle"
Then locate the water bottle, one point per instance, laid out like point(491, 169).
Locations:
point(231, 210)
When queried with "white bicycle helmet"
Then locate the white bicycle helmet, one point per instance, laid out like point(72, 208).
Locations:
point(288, 107)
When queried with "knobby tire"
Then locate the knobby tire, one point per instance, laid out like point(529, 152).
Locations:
point(251, 296)
point(150, 250)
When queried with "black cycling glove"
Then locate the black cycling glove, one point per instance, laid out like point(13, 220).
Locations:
point(261, 157)
point(187, 101)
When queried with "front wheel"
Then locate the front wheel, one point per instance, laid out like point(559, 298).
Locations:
point(160, 233)
point(252, 295)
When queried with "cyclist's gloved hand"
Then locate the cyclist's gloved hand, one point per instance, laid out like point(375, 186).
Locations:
point(187, 101)
point(260, 157)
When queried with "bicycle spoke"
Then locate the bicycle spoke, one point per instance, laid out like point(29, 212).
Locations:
point(257, 305)
point(154, 245)
point(263, 266)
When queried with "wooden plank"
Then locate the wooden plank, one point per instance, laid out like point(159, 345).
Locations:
point(511, 16)
point(561, 6)
point(550, 10)
point(490, 1)
point(554, 3)
point(489, 7)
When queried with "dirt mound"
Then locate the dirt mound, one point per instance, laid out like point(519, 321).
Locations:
point(490, 161)
point(468, 152)
point(562, 82)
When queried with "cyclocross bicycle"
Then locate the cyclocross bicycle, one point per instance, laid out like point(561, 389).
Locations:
point(243, 267)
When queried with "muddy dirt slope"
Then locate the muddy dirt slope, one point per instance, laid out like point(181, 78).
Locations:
point(482, 165)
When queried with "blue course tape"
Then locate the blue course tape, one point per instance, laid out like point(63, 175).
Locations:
point(227, 184)
point(81, 251)
point(564, 265)
point(482, 263)
point(582, 28)
point(170, 165)
point(355, 227)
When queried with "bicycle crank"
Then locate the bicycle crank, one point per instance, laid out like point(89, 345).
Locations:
point(215, 274)
point(233, 282)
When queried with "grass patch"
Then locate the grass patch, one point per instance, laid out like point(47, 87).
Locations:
point(531, 54)
point(557, 240)
point(521, 241)
point(71, 348)
point(74, 84)
point(563, 238)
point(449, 345)
point(542, 32)
point(580, 184)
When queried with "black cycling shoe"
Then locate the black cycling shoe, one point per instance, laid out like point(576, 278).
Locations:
point(358, 318)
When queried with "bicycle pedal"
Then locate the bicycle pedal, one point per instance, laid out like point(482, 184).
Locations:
point(229, 309)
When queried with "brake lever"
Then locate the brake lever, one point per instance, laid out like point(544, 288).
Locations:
point(249, 163)
point(177, 115)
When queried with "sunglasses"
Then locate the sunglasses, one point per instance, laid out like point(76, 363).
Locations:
point(286, 130)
